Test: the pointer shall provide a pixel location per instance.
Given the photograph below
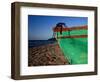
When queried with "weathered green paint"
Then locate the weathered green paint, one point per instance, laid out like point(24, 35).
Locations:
point(74, 49)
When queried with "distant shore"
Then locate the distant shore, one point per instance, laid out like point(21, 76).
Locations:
point(49, 54)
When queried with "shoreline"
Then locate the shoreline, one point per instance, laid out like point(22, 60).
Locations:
point(49, 54)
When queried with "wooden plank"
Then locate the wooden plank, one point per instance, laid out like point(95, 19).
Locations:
point(58, 29)
point(75, 36)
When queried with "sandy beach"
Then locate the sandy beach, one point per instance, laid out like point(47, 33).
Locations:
point(49, 54)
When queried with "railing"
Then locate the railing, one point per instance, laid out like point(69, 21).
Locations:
point(58, 29)
point(69, 30)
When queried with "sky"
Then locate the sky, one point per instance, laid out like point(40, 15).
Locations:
point(40, 27)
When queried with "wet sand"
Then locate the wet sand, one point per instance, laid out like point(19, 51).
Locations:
point(50, 54)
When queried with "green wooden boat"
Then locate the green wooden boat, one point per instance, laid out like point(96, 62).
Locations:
point(73, 42)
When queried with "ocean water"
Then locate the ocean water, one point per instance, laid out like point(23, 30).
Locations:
point(36, 43)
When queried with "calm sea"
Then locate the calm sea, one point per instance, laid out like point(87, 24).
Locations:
point(36, 43)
